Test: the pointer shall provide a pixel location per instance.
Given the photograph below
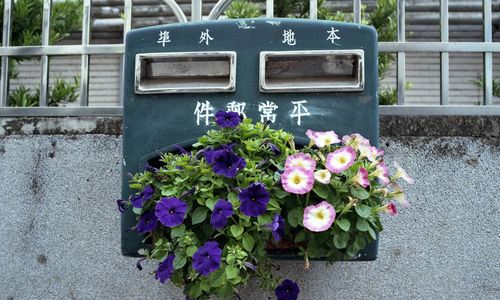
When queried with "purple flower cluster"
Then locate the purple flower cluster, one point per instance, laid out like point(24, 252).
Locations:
point(171, 211)
point(287, 290)
point(254, 200)
point(227, 119)
point(222, 211)
point(224, 161)
point(165, 269)
point(145, 195)
point(207, 258)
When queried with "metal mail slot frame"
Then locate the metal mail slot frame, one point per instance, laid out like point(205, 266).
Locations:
point(227, 85)
point(268, 87)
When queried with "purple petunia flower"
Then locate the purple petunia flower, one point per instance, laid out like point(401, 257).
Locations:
point(147, 222)
point(277, 227)
point(222, 211)
point(287, 290)
point(207, 258)
point(165, 269)
point(273, 148)
point(226, 163)
point(145, 195)
point(171, 211)
point(254, 200)
point(121, 205)
point(227, 119)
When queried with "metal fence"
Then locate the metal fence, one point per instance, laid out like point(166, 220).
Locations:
point(401, 47)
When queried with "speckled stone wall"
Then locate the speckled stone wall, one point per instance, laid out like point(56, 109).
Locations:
point(59, 227)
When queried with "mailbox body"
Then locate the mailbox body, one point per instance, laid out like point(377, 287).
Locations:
point(161, 110)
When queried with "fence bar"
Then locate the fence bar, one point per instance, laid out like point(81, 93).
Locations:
point(356, 10)
point(44, 84)
point(488, 56)
point(269, 8)
point(437, 47)
point(176, 9)
point(84, 76)
point(313, 9)
point(4, 80)
point(445, 56)
point(127, 26)
point(196, 10)
point(401, 55)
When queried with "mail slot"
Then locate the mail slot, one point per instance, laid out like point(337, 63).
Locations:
point(293, 74)
point(185, 72)
point(311, 71)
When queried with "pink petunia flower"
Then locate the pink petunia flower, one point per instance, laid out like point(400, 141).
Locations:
point(340, 160)
point(322, 139)
point(322, 176)
point(355, 140)
point(300, 160)
point(319, 217)
point(389, 208)
point(401, 173)
point(382, 173)
point(361, 178)
point(370, 152)
point(297, 180)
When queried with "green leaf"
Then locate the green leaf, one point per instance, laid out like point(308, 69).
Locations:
point(191, 250)
point(178, 231)
point(359, 192)
point(264, 220)
point(300, 237)
point(217, 278)
point(226, 291)
point(295, 216)
point(179, 261)
point(210, 203)
point(279, 193)
point(372, 233)
point(168, 192)
point(195, 290)
point(231, 272)
point(340, 240)
point(363, 211)
point(137, 210)
point(236, 230)
point(362, 225)
point(359, 242)
point(135, 186)
point(344, 224)
point(234, 199)
point(199, 215)
point(248, 242)
point(321, 190)
point(273, 205)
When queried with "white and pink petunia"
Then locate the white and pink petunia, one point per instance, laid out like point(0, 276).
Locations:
point(389, 208)
point(340, 160)
point(401, 173)
point(382, 173)
point(322, 176)
point(300, 160)
point(398, 194)
point(370, 152)
point(319, 217)
point(355, 140)
point(322, 139)
point(361, 178)
point(297, 180)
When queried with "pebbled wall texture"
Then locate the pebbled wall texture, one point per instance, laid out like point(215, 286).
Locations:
point(59, 227)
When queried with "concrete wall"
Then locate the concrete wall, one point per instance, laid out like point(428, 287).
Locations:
point(59, 227)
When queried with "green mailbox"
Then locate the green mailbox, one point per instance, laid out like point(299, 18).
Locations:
point(296, 74)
